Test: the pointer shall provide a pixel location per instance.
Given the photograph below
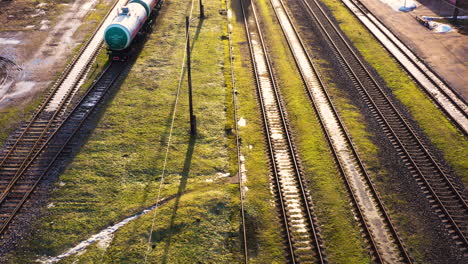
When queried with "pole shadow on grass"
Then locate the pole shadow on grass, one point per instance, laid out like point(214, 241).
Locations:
point(197, 33)
point(167, 233)
point(165, 135)
point(84, 134)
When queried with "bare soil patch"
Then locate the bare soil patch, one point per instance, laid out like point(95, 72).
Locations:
point(444, 52)
point(39, 37)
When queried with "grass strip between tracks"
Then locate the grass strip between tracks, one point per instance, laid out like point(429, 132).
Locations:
point(115, 174)
point(265, 243)
point(343, 242)
point(441, 132)
point(409, 222)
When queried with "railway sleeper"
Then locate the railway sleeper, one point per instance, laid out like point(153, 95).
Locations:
point(8, 206)
point(16, 195)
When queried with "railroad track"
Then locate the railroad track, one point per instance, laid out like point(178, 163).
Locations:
point(23, 182)
point(386, 245)
point(303, 240)
point(444, 195)
point(240, 171)
point(451, 103)
point(23, 159)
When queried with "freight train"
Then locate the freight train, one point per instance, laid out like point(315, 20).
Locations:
point(132, 20)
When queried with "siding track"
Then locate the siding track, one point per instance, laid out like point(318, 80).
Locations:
point(303, 240)
point(445, 197)
point(384, 241)
point(18, 183)
point(452, 103)
point(30, 153)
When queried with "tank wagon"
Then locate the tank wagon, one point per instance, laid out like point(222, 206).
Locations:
point(131, 20)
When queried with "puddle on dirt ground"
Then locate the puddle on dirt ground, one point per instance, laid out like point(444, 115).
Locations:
point(433, 25)
point(13, 90)
point(439, 27)
point(9, 72)
point(400, 5)
point(8, 41)
point(103, 238)
point(56, 46)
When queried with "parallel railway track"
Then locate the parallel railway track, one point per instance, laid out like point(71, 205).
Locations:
point(444, 195)
point(385, 243)
point(26, 179)
point(449, 101)
point(27, 156)
point(240, 171)
point(303, 240)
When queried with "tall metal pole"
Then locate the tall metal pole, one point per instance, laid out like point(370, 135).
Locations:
point(455, 12)
point(202, 10)
point(193, 119)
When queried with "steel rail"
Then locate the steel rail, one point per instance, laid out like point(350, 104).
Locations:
point(396, 114)
point(238, 144)
point(290, 146)
point(347, 136)
point(77, 107)
point(57, 115)
point(56, 86)
point(415, 60)
point(45, 130)
point(39, 152)
point(270, 144)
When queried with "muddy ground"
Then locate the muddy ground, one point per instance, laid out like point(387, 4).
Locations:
point(37, 38)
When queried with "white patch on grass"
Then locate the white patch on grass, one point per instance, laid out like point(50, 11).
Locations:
point(222, 175)
point(104, 237)
point(243, 170)
point(242, 122)
point(105, 242)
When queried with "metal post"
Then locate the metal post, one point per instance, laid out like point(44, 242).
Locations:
point(193, 119)
point(455, 12)
point(202, 10)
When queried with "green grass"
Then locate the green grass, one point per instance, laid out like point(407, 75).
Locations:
point(407, 221)
point(444, 135)
point(408, 224)
point(265, 243)
point(198, 226)
point(12, 116)
point(117, 172)
point(342, 240)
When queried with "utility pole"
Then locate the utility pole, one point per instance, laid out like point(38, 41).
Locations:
point(193, 118)
point(202, 10)
point(455, 12)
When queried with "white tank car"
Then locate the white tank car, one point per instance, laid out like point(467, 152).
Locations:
point(120, 33)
